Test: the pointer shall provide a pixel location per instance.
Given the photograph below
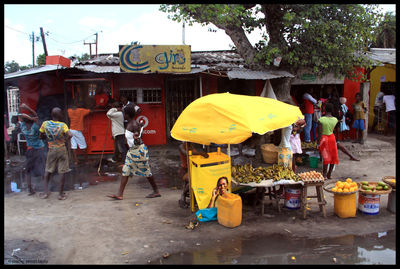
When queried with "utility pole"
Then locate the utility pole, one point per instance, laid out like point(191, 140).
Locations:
point(33, 49)
point(183, 33)
point(90, 46)
point(96, 42)
point(44, 41)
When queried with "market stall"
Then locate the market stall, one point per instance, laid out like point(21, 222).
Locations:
point(231, 119)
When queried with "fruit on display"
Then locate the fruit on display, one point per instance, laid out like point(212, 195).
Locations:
point(309, 145)
point(374, 187)
point(311, 176)
point(345, 186)
point(246, 173)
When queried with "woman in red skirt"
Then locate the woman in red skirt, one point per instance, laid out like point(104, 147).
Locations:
point(327, 141)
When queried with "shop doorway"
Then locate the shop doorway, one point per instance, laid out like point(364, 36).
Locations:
point(179, 93)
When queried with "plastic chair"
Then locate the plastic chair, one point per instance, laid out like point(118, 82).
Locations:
point(20, 138)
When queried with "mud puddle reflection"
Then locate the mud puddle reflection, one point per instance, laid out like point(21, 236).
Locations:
point(378, 248)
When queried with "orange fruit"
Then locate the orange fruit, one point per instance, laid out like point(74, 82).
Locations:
point(351, 189)
point(346, 190)
point(339, 190)
point(334, 189)
point(347, 185)
point(340, 184)
point(354, 184)
point(348, 180)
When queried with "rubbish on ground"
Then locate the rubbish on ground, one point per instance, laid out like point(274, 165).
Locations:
point(146, 246)
point(15, 251)
point(192, 225)
point(334, 260)
point(288, 231)
point(293, 258)
point(198, 244)
point(166, 255)
point(124, 253)
point(166, 221)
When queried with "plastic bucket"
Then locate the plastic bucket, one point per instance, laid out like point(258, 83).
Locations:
point(313, 162)
point(369, 203)
point(345, 205)
point(292, 198)
point(391, 205)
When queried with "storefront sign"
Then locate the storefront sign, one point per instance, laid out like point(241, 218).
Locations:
point(309, 77)
point(154, 58)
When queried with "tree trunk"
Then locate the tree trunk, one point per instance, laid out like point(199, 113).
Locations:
point(241, 42)
point(281, 88)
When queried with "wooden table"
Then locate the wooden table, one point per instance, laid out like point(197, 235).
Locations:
point(320, 197)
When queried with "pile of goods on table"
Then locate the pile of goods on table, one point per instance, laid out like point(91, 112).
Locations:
point(309, 145)
point(312, 176)
point(247, 173)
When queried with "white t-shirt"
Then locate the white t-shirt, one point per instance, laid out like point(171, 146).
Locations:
point(285, 141)
point(379, 99)
point(117, 121)
point(389, 102)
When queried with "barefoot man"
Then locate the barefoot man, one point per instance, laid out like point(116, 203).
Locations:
point(137, 158)
point(56, 133)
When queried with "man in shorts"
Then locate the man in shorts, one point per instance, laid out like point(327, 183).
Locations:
point(76, 116)
point(56, 133)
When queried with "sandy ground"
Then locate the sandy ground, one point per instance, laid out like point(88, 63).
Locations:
point(89, 228)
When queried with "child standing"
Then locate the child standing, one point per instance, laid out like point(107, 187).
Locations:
point(295, 144)
point(359, 115)
point(344, 128)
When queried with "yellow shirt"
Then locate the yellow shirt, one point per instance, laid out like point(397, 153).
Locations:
point(359, 110)
point(55, 132)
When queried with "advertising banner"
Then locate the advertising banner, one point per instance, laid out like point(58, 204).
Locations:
point(154, 58)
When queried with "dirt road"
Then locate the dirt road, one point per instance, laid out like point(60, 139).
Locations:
point(89, 228)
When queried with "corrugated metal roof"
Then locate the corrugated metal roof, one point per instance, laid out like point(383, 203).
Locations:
point(116, 69)
point(27, 72)
point(380, 56)
point(215, 57)
point(264, 75)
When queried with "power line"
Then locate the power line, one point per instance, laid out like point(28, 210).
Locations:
point(16, 30)
point(67, 43)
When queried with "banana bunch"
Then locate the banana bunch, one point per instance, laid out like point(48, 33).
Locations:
point(310, 145)
point(246, 173)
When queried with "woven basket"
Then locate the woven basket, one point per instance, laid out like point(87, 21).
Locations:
point(375, 192)
point(328, 187)
point(269, 153)
point(387, 180)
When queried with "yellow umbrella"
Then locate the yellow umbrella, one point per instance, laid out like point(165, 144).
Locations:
point(225, 118)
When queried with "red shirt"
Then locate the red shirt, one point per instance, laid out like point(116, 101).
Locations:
point(308, 107)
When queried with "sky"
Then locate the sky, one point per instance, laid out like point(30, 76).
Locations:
point(69, 26)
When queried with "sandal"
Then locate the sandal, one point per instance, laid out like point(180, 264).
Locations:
point(115, 197)
point(44, 195)
point(62, 196)
point(153, 195)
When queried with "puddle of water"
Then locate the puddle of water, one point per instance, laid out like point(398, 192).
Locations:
point(78, 178)
point(279, 249)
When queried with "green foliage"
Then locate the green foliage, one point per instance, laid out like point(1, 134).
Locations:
point(323, 37)
point(11, 67)
point(41, 59)
point(385, 33)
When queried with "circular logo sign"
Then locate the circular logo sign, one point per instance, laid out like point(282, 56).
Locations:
point(145, 119)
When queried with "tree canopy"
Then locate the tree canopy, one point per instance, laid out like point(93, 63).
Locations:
point(320, 37)
point(385, 33)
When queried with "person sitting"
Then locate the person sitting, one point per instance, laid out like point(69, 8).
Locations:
point(219, 190)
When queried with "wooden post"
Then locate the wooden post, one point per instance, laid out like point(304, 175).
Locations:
point(43, 41)
point(33, 49)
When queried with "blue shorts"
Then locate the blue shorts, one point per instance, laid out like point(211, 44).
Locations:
point(359, 125)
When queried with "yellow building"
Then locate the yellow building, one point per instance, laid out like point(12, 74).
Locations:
point(383, 72)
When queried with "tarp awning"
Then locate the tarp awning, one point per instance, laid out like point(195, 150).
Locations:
point(263, 75)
